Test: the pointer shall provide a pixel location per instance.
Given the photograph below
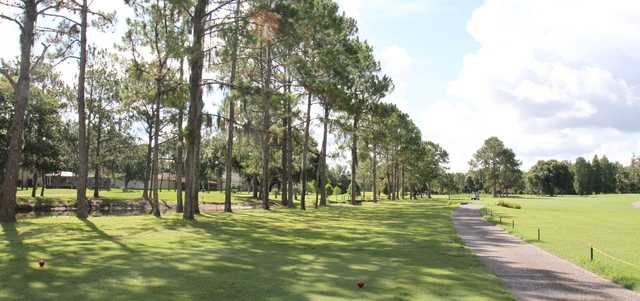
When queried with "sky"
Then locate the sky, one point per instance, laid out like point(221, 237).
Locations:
point(551, 78)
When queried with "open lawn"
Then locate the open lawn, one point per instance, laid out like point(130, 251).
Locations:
point(570, 225)
point(401, 250)
point(115, 194)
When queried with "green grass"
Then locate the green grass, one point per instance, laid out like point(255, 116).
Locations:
point(67, 196)
point(570, 225)
point(401, 250)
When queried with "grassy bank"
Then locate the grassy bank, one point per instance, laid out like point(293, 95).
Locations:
point(571, 225)
point(401, 250)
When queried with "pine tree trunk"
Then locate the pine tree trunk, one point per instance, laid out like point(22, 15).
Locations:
point(284, 184)
point(322, 175)
point(375, 174)
point(179, 162)
point(147, 164)
point(196, 63)
point(96, 165)
point(34, 187)
point(21, 91)
point(83, 206)
point(354, 160)
point(266, 125)
point(305, 150)
point(289, 153)
point(228, 163)
point(43, 184)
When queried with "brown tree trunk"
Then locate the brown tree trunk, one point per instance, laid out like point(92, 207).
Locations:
point(375, 175)
point(354, 160)
point(284, 183)
point(322, 174)
point(305, 150)
point(43, 184)
point(196, 63)
point(266, 125)
point(21, 90)
point(289, 153)
point(96, 164)
point(147, 164)
point(179, 163)
point(83, 206)
point(34, 187)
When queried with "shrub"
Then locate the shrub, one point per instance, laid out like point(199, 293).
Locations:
point(509, 205)
point(337, 190)
point(329, 189)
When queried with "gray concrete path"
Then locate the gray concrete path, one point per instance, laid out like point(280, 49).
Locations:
point(530, 272)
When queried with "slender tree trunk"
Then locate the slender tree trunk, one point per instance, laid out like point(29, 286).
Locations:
point(254, 187)
point(196, 63)
point(15, 134)
point(228, 163)
point(43, 184)
point(266, 125)
point(322, 177)
point(284, 183)
point(289, 152)
point(96, 164)
point(402, 181)
point(147, 164)
point(83, 205)
point(375, 174)
point(34, 187)
point(156, 148)
point(354, 160)
point(305, 150)
point(179, 162)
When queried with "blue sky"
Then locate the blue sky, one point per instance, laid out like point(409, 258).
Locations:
point(551, 78)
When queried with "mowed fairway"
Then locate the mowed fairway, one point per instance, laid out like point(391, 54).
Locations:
point(570, 225)
point(401, 250)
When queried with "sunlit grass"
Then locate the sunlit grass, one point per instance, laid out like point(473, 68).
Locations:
point(402, 251)
point(570, 225)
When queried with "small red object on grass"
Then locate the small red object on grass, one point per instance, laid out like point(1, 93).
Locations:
point(41, 262)
point(360, 284)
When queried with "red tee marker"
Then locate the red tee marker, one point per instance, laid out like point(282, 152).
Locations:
point(41, 262)
point(360, 284)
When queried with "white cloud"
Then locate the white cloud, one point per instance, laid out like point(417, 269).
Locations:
point(558, 78)
point(398, 64)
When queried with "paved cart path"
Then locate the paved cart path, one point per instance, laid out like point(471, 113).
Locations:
point(530, 272)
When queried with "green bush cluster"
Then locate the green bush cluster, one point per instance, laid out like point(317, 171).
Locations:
point(508, 205)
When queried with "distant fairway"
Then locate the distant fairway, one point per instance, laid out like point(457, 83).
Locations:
point(571, 224)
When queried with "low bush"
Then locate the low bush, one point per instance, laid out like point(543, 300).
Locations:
point(509, 205)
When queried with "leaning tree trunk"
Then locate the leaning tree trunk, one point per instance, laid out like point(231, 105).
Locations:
point(354, 160)
point(322, 173)
point(196, 63)
point(83, 154)
point(305, 150)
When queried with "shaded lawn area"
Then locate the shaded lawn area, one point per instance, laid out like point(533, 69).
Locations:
point(68, 196)
point(570, 225)
point(401, 250)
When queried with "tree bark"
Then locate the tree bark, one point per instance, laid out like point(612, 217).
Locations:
point(147, 165)
point(179, 162)
point(289, 151)
point(228, 163)
point(305, 150)
point(322, 174)
point(34, 187)
point(96, 164)
point(196, 63)
point(284, 183)
point(266, 125)
point(83, 206)
point(354, 160)
point(375, 174)
point(15, 134)
point(43, 184)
